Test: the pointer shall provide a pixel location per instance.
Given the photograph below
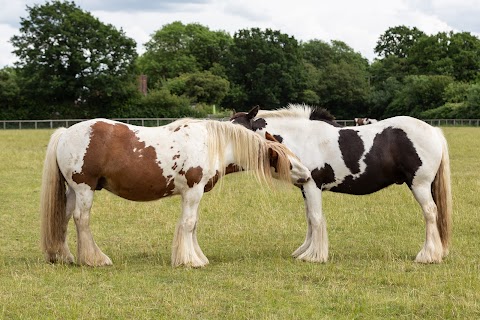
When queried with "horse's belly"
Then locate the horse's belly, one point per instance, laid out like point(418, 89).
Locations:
point(138, 189)
point(358, 186)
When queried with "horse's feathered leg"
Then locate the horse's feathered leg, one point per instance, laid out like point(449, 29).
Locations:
point(88, 251)
point(198, 250)
point(185, 248)
point(308, 237)
point(315, 247)
point(432, 250)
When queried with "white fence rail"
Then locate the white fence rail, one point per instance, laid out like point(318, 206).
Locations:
point(150, 122)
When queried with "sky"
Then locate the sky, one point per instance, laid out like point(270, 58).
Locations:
point(357, 23)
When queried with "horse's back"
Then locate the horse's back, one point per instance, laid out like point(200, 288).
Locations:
point(136, 163)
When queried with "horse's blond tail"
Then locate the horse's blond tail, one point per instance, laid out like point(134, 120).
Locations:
point(52, 202)
point(442, 196)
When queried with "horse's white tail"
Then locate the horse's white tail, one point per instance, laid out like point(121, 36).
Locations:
point(53, 203)
point(442, 196)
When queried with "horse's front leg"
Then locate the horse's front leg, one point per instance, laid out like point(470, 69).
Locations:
point(315, 246)
point(88, 251)
point(185, 248)
point(432, 251)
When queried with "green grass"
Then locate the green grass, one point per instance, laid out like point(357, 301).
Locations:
point(248, 232)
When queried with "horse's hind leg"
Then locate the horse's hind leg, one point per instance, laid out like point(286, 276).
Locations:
point(88, 251)
point(66, 255)
point(185, 249)
point(315, 246)
point(432, 250)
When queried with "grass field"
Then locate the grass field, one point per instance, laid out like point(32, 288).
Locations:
point(248, 232)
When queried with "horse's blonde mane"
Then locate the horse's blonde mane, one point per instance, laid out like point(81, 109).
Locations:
point(251, 151)
point(290, 111)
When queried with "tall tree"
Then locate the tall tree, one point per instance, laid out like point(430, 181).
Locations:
point(418, 94)
point(69, 58)
point(199, 87)
point(265, 68)
point(341, 78)
point(179, 48)
point(398, 41)
point(10, 95)
point(452, 54)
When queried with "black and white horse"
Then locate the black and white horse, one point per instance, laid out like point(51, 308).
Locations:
point(362, 160)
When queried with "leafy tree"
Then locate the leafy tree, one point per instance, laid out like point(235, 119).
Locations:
point(425, 68)
point(465, 53)
point(453, 54)
point(418, 94)
point(265, 68)
point(462, 102)
point(398, 41)
point(343, 90)
point(69, 59)
point(382, 96)
point(179, 48)
point(159, 103)
point(200, 87)
point(10, 95)
point(338, 76)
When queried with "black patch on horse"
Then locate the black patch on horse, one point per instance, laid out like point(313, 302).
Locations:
point(392, 159)
point(352, 148)
point(323, 176)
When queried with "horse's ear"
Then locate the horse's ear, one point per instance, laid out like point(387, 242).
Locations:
point(253, 112)
point(269, 137)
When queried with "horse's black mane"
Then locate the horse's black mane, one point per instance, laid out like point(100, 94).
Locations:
point(322, 114)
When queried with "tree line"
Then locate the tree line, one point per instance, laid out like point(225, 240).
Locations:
point(71, 65)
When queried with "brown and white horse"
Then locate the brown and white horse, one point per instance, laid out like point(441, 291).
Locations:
point(362, 160)
point(186, 157)
point(364, 121)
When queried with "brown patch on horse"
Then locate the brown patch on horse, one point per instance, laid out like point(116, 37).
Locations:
point(273, 157)
point(128, 169)
point(272, 154)
point(269, 137)
point(193, 176)
point(212, 182)
point(231, 168)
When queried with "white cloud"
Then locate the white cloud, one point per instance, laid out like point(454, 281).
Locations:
point(6, 57)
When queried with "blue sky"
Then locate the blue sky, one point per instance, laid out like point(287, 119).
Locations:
point(357, 23)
